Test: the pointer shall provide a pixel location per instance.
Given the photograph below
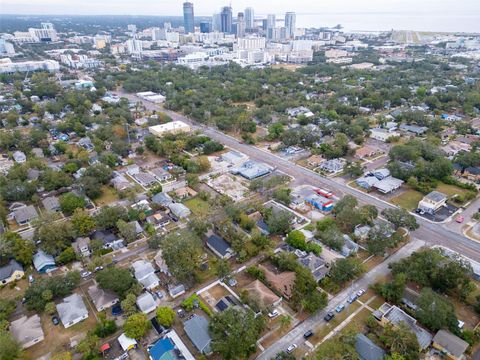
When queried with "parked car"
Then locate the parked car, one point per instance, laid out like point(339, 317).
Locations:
point(31, 279)
point(360, 292)
point(272, 314)
point(340, 308)
point(117, 310)
point(352, 298)
point(85, 274)
point(291, 348)
point(329, 316)
point(308, 334)
point(460, 219)
point(98, 268)
point(55, 320)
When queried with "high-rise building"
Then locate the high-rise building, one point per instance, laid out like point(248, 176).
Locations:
point(217, 22)
point(132, 28)
point(188, 17)
point(226, 19)
point(271, 22)
point(167, 25)
point(134, 46)
point(6, 48)
point(240, 25)
point(47, 26)
point(249, 18)
point(290, 22)
point(205, 27)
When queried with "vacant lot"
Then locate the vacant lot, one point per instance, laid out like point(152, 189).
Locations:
point(108, 196)
point(408, 199)
point(198, 206)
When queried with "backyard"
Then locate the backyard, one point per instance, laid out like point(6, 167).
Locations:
point(198, 206)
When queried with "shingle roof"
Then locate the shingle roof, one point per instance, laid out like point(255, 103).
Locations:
point(27, 329)
point(51, 203)
point(100, 297)
point(367, 349)
point(219, 244)
point(266, 296)
point(450, 342)
point(197, 330)
point(7, 270)
point(71, 309)
point(26, 213)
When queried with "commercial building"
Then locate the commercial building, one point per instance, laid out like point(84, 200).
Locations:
point(134, 46)
point(6, 48)
point(290, 24)
point(432, 202)
point(9, 67)
point(249, 18)
point(173, 127)
point(252, 170)
point(188, 17)
point(240, 25)
point(226, 20)
point(205, 27)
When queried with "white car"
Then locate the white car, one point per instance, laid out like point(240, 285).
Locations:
point(85, 274)
point(291, 348)
point(272, 314)
point(360, 292)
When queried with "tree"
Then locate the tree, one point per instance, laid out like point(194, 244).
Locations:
point(345, 269)
point(108, 216)
point(305, 294)
point(296, 239)
point(128, 304)
point(7, 308)
point(223, 268)
point(400, 218)
point(88, 347)
point(165, 316)
point(91, 186)
point(83, 224)
point(199, 225)
point(100, 172)
point(181, 251)
point(400, 340)
point(353, 169)
point(54, 236)
point(13, 245)
point(120, 281)
point(278, 223)
point(392, 291)
point(66, 256)
point(347, 202)
point(69, 202)
point(435, 312)
point(283, 196)
point(235, 333)
point(136, 326)
point(105, 327)
point(9, 348)
point(379, 240)
point(339, 348)
point(127, 230)
point(50, 308)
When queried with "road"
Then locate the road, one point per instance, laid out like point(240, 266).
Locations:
point(296, 335)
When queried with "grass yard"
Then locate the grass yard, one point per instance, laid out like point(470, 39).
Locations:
point(198, 206)
point(408, 199)
point(109, 196)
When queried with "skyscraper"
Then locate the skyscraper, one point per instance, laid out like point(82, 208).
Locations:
point(271, 22)
point(217, 22)
point(226, 19)
point(188, 17)
point(249, 18)
point(290, 21)
point(205, 26)
point(240, 25)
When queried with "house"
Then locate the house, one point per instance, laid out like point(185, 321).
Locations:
point(450, 345)
point(349, 246)
point(38, 152)
point(320, 202)
point(72, 310)
point(162, 198)
point(25, 214)
point(158, 220)
point(365, 152)
point(161, 264)
point(233, 157)
point(51, 204)
point(282, 282)
point(472, 173)
point(43, 262)
point(120, 182)
point(251, 170)
point(109, 239)
point(219, 247)
point(382, 134)
point(367, 182)
point(388, 185)
point(133, 169)
point(146, 303)
point(86, 143)
point(315, 264)
point(414, 129)
point(169, 347)
point(179, 210)
point(12, 271)
point(454, 147)
point(300, 110)
point(367, 349)
point(315, 160)
point(381, 174)
point(185, 192)
point(196, 329)
point(126, 343)
point(333, 166)
point(19, 157)
point(432, 202)
point(144, 272)
point(391, 314)
point(27, 331)
point(361, 231)
point(266, 297)
point(176, 290)
point(161, 174)
point(5, 165)
point(145, 179)
point(102, 299)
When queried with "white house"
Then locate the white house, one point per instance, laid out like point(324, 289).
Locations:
point(72, 310)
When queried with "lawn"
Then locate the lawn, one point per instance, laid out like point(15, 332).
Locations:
point(198, 206)
point(108, 196)
point(452, 190)
point(408, 199)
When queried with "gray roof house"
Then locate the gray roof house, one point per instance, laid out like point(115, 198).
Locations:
point(179, 210)
point(333, 165)
point(102, 299)
point(27, 331)
point(315, 264)
point(196, 329)
point(145, 179)
point(161, 174)
point(219, 246)
point(51, 204)
point(176, 290)
point(367, 349)
point(162, 198)
point(146, 303)
point(11, 272)
point(349, 246)
point(145, 274)
point(25, 214)
point(72, 310)
point(43, 262)
point(451, 345)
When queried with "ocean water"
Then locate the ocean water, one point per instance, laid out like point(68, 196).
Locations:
point(384, 21)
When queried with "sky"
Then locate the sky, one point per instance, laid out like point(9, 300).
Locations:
point(208, 7)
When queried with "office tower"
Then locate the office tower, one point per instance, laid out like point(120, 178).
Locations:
point(240, 25)
point(158, 34)
point(167, 26)
point(188, 18)
point(271, 22)
point(134, 46)
point(45, 34)
point(290, 21)
point(249, 18)
point(217, 22)
point(205, 27)
point(226, 20)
